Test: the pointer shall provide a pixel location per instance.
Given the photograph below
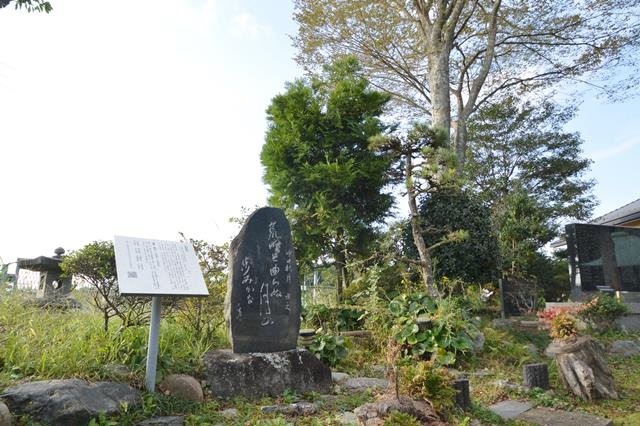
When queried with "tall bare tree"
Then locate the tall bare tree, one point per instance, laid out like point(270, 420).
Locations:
point(443, 59)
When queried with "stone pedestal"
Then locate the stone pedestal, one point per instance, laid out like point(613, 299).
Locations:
point(256, 375)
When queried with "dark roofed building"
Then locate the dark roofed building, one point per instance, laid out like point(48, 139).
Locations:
point(627, 215)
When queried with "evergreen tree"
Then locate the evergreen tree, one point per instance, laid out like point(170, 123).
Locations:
point(319, 167)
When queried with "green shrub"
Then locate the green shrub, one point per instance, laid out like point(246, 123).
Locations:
point(447, 334)
point(344, 318)
point(602, 311)
point(504, 348)
point(427, 381)
point(563, 327)
point(329, 348)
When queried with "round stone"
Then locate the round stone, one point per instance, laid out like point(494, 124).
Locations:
point(5, 415)
point(182, 386)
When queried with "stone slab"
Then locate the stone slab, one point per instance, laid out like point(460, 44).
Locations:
point(545, 416)
point(625, 348)
point(256, 375)
point(510, 409)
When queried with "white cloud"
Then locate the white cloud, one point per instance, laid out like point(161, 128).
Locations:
point(614, 151)
point(246, 25)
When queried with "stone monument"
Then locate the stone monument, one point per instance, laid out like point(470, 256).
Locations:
point(262, 305)
point(262, 314)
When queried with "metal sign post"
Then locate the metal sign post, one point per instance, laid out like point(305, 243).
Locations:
point(152, 350)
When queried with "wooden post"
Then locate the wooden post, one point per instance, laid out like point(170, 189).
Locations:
point(463, 397)
point(502, 307)
point(536, 376)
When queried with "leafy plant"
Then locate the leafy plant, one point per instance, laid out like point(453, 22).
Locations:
point(447, 329)
point(95, 263)
point(427, 381)
point(339, 319)
point(397, 418)
point(602, 311)
point(504, 348)
point(349, 319)
point(203, 314)
point(563, 327)
point(329, 348)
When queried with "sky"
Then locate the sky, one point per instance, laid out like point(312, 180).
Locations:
point(147, 120)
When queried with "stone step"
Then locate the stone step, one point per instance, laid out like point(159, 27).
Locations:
point(545, 416)
point(510, 409)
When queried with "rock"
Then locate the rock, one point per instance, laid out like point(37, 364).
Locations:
point(625, 348)
point(117, 371)
point(262, 305)
point(506, 384)
point(328, 399)
point(163, 421)
point(481, 373)
point(229, 413)
point(338, 377)
point(302, 408)
point(5, 415)
point(510, 409)
point(501, 323)
point(348, 418)
point(182, 386)
point(532, 349)
point(374, 413)
point(477, 342)
point(257, 375)
point(456, 374)
point(70, 401)
point(363, 383)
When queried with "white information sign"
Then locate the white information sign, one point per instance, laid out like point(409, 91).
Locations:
point(157, 268)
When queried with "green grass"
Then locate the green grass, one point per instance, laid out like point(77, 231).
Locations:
point(503, 356)
point(38, 344)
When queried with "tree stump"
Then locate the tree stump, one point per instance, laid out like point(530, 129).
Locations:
point(535, 376)
point(583, 369)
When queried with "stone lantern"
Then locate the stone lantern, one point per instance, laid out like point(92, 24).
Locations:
point(51, 284)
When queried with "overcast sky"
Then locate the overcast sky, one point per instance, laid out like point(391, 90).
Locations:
point(145, 118)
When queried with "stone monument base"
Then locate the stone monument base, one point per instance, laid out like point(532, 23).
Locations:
point(259, 374)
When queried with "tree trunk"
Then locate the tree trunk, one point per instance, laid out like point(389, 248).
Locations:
point(583, 368)
point(426, 265)
point(106, 320)
point(438, 76)
point(460, 143)
point(340, 262)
